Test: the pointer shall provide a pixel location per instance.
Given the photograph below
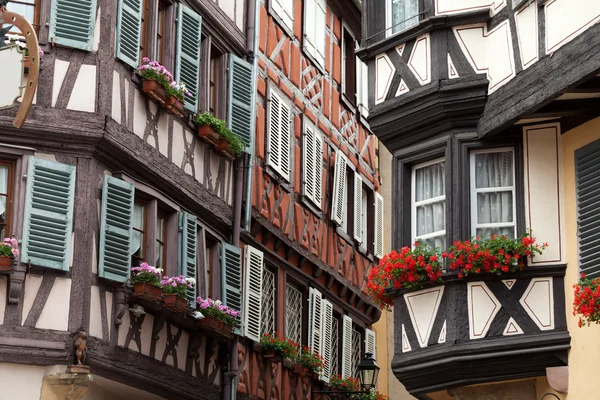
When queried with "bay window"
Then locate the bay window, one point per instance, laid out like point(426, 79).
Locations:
point(6, 184)
point(493, 193)
point(401, 15)
point(429, 203)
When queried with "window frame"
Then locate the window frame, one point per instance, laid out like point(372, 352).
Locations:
point(267, 269)
point(36, 15)
point(289, 30)
point(352, 100)
point(10, 193)
point(389, 28)
point(474, 191)
point(306, 36)
point(302, 313)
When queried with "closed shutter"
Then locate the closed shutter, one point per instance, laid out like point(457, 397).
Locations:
point(285, 11)
point(314, 29)
point(231, 275)
point(339, 188)
point(346, 347)
point(309, 163)
point(253, 293)
point(314, 316)
point(378, 243)
point(358, 207)
point(115, 229)
point(309, 27)
point(240, 99)
point(279, 136)
point(587, 172)
point(326, 338)
point(318, 170)
point(48, 219)
point(187, 61)
point(129, 31)
point(188, 250)
point(72, 23)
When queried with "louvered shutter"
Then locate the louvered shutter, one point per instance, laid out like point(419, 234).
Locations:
point(315, 325)
point(48, 219)
point(309, 163)
point(279, 136)
point(253, 293)
point(587, 174)
point(318, 170)
point(231, 275)
point(188, 250)
point(240, 99)
point(309, 44)
point(339, 188)
point(285, 11)
point(370, 347)
point(187, 61)
point(378, 243)
point(115, 229)
point(358, 219)
point(320, 12)
point(326, 338)
point(72, 23)
point(346, 347)
point(129, 31)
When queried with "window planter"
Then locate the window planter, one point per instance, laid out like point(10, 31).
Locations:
point(175, 106)
point(154, 90)
point(216, 327)
point(208, 134)
point(298, 368)
point(147, 291)
point(5, 263)
point(175, 303)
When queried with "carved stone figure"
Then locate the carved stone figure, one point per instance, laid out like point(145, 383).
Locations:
point(81, 347)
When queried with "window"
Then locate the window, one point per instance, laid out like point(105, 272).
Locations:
point(161, 241)
point(340, 180)
point(284, 9)
point(364, 217)
point(6, 189)
point(30, 9)
point(401, 15)
point(346, 208)
point(428, 212)
point(493, 193)
point(279, 140)
point(145, 22)
point(268, 302)
point(349, 67)
point(314, 30)
point(138, 238)
point(313, 165)
point(159, 49)
point(212, 261)
point(293, 313)
point(356, 351)
point(335, 345)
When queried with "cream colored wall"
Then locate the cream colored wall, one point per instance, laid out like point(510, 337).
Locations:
point(22, 382)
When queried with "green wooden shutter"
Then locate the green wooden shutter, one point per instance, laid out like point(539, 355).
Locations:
point(188, 238)
point(72, 23)
point(231, 274)
point(187, 62)
point(115, 229)
point(129, 31)
point(240, 99)
point(48, 220)
point(587, 181)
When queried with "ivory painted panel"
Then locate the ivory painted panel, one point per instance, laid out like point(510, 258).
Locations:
point(3, 295)
point(60, 71)
point(147, 333)
point(116, 97)
point(55, 314)
point(83, 96)
point(139, 113)
point(178, 146)
point(384, 72)
point(420, 60)
point(95, 313)
point(109, 311)
point(163, 134)
point(463, 6)
point(543, 211)
point(526, 20)
point(32, 285)
point(182, 348)
point(566, 19)
point(22, 382)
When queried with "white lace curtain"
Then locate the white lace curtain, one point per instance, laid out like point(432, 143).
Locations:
point(405, 14)
point(430, 204)
point(494, 187)
point(3, 190)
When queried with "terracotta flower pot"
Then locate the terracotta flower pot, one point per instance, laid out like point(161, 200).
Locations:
point(222, 145)
point(175, 303)
point(26, 62)
point(216, 327)
point(154, 90)
point(174, 105)
point(208, 134)
point(146, 291)
point(5, 263)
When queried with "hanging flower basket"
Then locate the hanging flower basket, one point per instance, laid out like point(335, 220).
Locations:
point(215, 326)
point(147, 291)
point(154, 90)
point(208, 134)
point(175, 303)
point(174, 105)
point(5, 263)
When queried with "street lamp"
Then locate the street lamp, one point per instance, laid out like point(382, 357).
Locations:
point(368, 370)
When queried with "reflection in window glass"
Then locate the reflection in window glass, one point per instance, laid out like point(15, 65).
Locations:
point(429, 204)
point(404, 14)
point(160, 240)
point(138, 234)
point(3, 201)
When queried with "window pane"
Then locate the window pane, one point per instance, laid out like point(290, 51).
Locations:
point(430, 181)
point(494, 207)
point(26, 10)
point(293, 313)
point(268, 303)
point(431, 218)
point(160, 230)
point(137, 234)
point(438, 241)
point(356, 352)
point(405, 14)
point(494, 170)
point(335, 346)
point(503, 231)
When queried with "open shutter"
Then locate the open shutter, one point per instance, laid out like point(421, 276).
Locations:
point(240, 99)
point(129, 31)
point(72, 23)
point(370, 348)
point(187, 61)
point(286, 140)
point(309, 163)
point(587, 175)
point(315, 323)
point(346, 347)
point(253, 293)
point(48, 220)
point(279, 136)
point(115, 229)
point(339, 188)
point(309, 27)
point(188, 239)
point(284, 10)
point(320, 12)
point(326, 339)
point(378, 243)
point(318, 170)
point(231, 274)
point(358, 207)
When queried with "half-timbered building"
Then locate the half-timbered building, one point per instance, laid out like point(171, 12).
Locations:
point(490, 110)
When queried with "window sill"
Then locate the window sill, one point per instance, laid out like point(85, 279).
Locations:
point(280, 180)
point(345, 236)
point(311, 206)
point(348, 103)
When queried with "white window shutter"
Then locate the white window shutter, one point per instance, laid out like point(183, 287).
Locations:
point(286, 140)
point(358, 207)
point(326, 338)
point(378, 243)
point(279, 140)
point(364, 100)
point(309, 44)
point(346, 347)
point(315, 323)
point(309, 163)
point(370, 342)
point(339, 188)
point(253, 293)
point(318, 170)
point(319, 40)
point(285, 11)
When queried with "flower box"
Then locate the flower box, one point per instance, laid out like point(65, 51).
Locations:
point(217, 327)
point(174, 105)
point(298, 368)
point(154, 90)
point(147, 291)
point(175, 303)
point(5, 263)
point(208, 134)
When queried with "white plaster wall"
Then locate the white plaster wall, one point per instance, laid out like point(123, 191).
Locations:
point(526, 20)
point(463, 6)
point(116, 97)
point(161, 345)
point(3, 295)
point(32, 285)
point(83, 97)
point(178, 143)
point(123, 329)
point(95, 313)
point(420, 60)
point(139, 113)
point(199, 160)
point(20, 382)
point(163, 134)
point(384, 72)
point(60, 71)
point(566, 19)
point(109, 311)
point(126, 102)
point(104, 389)
point(147, 333)
point(182, 350)
point(96, 43)
point(55, 314)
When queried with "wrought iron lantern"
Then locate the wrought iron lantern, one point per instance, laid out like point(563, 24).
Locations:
point(368, 371)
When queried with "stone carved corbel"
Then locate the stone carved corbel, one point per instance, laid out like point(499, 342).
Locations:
point(16, 281)
point(120, 304)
